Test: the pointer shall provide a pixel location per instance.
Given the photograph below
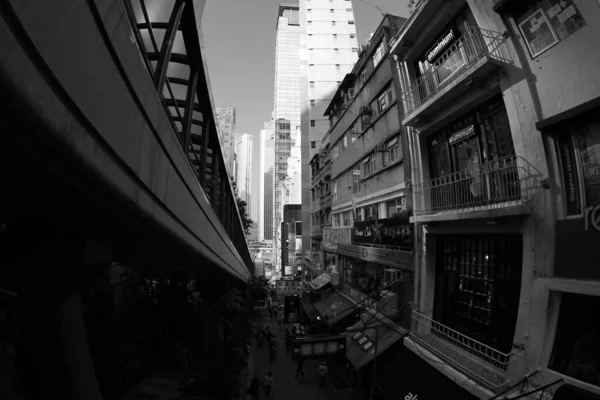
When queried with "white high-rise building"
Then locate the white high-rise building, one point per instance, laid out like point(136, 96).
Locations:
point(329, 50)
point(286, 111)
point(265, 182)
point(226, 130)
point(243, 151)
point(294, 171)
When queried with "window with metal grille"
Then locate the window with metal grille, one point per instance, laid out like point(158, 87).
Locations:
point(369, 164)
point(392, 153)
point(356, 178)
point(479, 281)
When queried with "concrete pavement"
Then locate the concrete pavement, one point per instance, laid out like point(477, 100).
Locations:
point(285, 386)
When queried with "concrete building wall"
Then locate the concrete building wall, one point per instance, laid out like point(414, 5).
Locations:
point(534, 90)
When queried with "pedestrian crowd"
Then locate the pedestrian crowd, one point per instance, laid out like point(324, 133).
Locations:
point(266, 337)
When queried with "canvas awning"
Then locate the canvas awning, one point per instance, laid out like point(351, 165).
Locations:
point(334, 307)
point(358, 352)
point(320, 281)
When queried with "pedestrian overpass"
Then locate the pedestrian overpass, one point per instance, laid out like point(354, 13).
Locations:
point(109, 142)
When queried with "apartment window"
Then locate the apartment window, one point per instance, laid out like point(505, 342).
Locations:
point(385, 99)
point(347, 219)
point(332, 22)
point(578, 147)
point(309, 22)
point(334, 195)
point(369, 165)
point(337, 51)
point(337, 67)
point(313, 144)
point(392, 153)
point(352, 36)
point(335, 36)
point(312, 85)
point(479, 281)
point(348, 9)
point(576, 350)
point(395, 206)
point(363, 76)
point(371, 212)
point(356, 178)
point(308, 10)
point(310, 34)
point(335, 152)
point(545, 23)
point(331, 11)
point(338, 82)
point(312, 123)
point(355, 49)
point(350, 22)
point(354, 131)
point(379, 54)
point(312, 103)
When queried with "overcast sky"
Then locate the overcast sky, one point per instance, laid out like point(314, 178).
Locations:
point(239, 39)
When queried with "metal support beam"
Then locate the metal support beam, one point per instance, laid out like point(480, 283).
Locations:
point(189, 110)
point(204, 156)
point(215, 176)
point(167, 45)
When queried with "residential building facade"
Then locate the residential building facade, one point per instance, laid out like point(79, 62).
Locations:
point(320, 196)
point(292, 219)
point(329, 50)
point(226, 129)
point(500, 106)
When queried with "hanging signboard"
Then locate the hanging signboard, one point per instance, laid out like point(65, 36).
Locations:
point(440, 46)
point(286, 287)
point(317, 347)
point(389, 232)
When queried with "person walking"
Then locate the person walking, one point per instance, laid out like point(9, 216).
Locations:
point(254, 388)
point(299, 366)
point(268, 384)
point(323, 374)
point(288, 341)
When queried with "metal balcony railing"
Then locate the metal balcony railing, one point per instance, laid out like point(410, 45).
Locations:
point(167, 37)
point(494, 184)
point(317, 230)
point(469, 48)
point(477, 360)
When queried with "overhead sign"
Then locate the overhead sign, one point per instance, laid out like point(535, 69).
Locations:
point(389, 232)
point(286, 287)
point(462, 134)
point(441, 45)
point(317, 347)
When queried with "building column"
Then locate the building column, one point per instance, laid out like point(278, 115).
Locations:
point(54, 346)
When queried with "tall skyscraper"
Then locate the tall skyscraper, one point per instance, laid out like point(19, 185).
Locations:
point(286, 105)
point(226, 130)
point(243, 179)
point(329, 50)
point(265, 183)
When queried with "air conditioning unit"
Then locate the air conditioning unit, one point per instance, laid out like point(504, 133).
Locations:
point(366, 110)
point(380, 148)
point(390, 275)
point(351, 93)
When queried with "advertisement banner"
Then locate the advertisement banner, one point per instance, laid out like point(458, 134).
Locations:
point(388, 232)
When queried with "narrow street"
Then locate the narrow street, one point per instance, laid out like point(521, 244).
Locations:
point(285, 386)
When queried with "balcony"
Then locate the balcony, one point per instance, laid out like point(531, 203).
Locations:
point(476, 360)
point(497, 188)
point(317, 232)
point(472, 56)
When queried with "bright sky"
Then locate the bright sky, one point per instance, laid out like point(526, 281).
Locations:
point(239, 40)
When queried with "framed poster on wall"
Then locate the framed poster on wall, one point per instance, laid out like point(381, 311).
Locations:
point(537, 33)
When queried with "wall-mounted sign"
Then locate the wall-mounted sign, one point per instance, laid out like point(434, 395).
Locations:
point(440, 46)
point(286, 287)
point(318, 347)
point(363, 341)
point(387, 232)
point(462, 134)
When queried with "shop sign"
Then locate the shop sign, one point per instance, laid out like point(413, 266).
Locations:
point(462, 134)
point(286, 287)
point(363, 341)
point(337, 235)
point(388, 232)
point(440, 46)
point(318, 347)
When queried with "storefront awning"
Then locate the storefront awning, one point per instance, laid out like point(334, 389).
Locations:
point(309, 309)
point(320, 281)
point(359, 352)
point(334, 307)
